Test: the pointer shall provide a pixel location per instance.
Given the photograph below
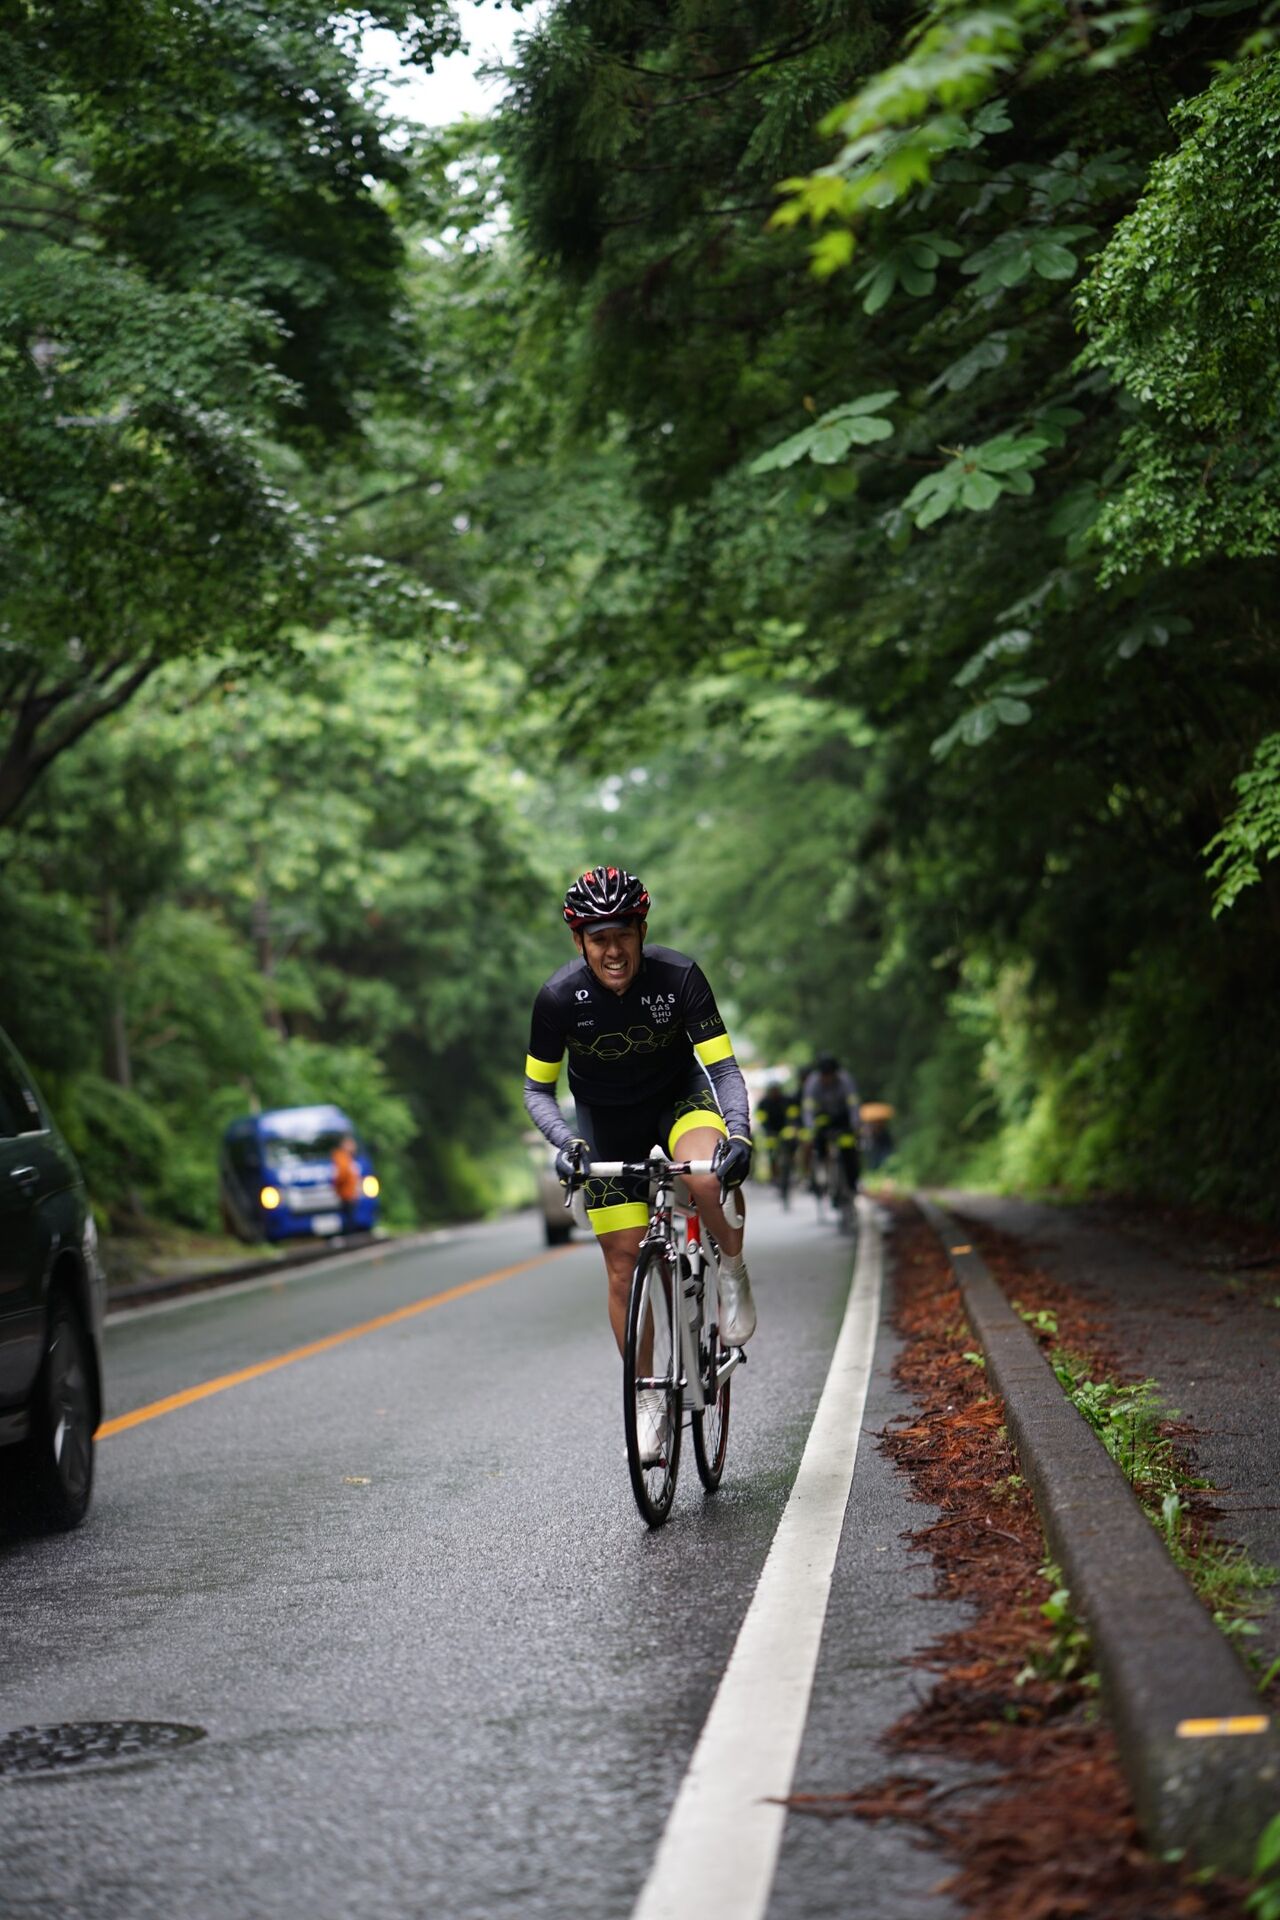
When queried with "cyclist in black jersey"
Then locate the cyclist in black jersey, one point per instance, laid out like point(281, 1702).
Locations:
point(649, 1060)
point(777, 1116)
point(830, 1110)
point(771, 1109)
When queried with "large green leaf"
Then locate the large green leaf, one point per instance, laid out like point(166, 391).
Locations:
point(855, 423)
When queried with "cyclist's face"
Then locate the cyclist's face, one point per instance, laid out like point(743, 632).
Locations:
point(613, 954)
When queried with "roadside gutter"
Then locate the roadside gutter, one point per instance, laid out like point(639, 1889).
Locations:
point(144, 1292)
point(1200, 1753)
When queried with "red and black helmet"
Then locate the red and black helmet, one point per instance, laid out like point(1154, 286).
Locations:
point(606, 893)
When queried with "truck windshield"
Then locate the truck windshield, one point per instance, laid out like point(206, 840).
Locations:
point(319, 1147)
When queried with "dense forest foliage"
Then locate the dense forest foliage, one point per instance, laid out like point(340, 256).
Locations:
point(824, 455)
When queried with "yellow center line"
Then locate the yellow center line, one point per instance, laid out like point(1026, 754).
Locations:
point(190, 1395)
point(1235, 1723)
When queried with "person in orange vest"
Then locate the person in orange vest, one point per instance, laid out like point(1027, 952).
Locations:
point(346, 1180)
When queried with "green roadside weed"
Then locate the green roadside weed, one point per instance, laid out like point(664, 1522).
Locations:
point(1264, 1900)
point(1132, 1421)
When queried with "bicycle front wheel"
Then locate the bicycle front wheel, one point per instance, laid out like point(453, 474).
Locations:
point(841, 1195)
point(651, 1367)
point(818, 1183)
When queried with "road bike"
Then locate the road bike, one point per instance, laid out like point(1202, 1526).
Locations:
point(839, 1188)
point(672, 1345)
point(830, 1180)
point(782, 1167)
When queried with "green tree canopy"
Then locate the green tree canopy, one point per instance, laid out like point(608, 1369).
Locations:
point(947, 432)
point(201, 283)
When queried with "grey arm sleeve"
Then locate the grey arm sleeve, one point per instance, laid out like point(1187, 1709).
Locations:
point(543, 1109)
point(731, 1092)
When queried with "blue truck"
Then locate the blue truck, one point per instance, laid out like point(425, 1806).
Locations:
point(275, 1175)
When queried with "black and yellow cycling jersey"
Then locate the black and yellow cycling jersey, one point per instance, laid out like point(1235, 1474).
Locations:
point(632, 1047)
point(770, 1112)
point(828, 1130)
point(640, 1050)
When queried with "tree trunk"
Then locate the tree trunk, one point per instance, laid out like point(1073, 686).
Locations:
point(260, 923)
point(127, 1211)
point(117, 1063)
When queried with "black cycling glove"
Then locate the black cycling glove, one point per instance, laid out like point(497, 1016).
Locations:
point(573, 1162)
point(732, 1161)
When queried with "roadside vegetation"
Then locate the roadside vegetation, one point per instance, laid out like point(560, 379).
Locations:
point(1010, 1769)
point(826, 458)
point(1137, 1429)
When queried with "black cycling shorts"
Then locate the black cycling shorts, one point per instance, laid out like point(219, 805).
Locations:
point(628, 1133)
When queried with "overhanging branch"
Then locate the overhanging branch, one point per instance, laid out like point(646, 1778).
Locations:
point(38, 739)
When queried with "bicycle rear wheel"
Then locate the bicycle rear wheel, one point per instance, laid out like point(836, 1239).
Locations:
point(711, 1426)
point(652, 1354)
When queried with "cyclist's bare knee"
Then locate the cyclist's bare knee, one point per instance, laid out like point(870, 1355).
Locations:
point(620, 1250)
point(705, 1189)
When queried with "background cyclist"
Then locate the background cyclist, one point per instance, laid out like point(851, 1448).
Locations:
point(770, 1119)
point(649, 1060)
point(831, 1102)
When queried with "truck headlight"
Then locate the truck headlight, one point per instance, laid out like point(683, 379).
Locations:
point(269, 1198)
point(370, 1186)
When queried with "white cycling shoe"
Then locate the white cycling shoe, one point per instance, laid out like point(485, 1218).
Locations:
point(737, 1308)
point(651, 1426)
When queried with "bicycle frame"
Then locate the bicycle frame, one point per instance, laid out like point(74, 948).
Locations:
point(688, 1276)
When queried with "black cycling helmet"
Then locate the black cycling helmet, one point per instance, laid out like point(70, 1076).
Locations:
point(827, 1063)
point(606, 893)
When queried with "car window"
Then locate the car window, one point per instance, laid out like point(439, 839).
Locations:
point(19, 1108)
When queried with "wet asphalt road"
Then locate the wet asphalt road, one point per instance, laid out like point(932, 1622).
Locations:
point(442, 1667)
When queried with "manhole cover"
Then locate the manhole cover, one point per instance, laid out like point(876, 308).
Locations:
point(89, 1743)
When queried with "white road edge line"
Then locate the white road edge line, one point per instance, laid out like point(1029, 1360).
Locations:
point(719, 1852)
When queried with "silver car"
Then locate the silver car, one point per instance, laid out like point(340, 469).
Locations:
point(557, 1222)
point(52, 1301)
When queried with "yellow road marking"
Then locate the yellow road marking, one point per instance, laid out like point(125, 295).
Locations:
point(962, 1249)
point(190, 1395)
point(1234, 1723)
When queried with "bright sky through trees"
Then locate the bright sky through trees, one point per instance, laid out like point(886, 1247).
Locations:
point(455, 91)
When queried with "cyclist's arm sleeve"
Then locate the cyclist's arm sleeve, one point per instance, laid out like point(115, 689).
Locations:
point(714, 1049)
point(542, 1070)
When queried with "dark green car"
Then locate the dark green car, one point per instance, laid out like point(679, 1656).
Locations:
point(51, 1311)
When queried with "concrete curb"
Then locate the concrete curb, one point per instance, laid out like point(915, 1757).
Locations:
point(1199, 1751)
